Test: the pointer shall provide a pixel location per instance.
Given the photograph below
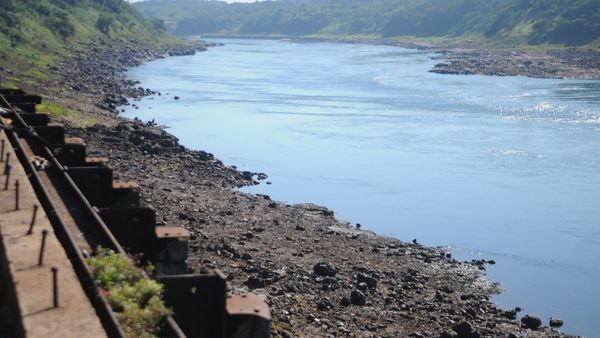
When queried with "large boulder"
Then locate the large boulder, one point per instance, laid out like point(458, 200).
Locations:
point(358, 298)
point(324, 269)
point(531, 322)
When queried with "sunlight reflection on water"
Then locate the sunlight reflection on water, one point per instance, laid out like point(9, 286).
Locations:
point(500, 168)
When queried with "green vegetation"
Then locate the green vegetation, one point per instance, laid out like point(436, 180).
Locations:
point(36, 34)
point(137, 301)
point(56, 110)
point(519, 22)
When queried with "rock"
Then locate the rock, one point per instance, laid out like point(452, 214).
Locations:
point(329, 280)
point(176, 97)
point(317, 209)
point(324, 305)
point(324, 269)
point(345, 301)
point(510, 314)
point(255, 282)
point(368, 280)
point(261, 176)
point(448, 334)
point(447, 289)
point(358, 298)
point(556, 323)
point(531, 322)
point(463, 329)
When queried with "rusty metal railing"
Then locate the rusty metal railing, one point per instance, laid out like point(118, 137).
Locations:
point(102, 236)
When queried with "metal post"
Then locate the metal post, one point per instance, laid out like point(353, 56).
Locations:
point(7, 164)
point(17, 195)
point(7, 173)
point(43, 247)
point(55, 285)
point(35, 210)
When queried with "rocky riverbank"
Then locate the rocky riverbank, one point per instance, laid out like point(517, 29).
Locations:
point(322, 276)
point(94, 82)
point(571, 64)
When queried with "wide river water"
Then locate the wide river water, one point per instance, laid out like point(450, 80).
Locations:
point(502, 168)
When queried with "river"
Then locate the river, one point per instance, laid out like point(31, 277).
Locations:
point(501, 168)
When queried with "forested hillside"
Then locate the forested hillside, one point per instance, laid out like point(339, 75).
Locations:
point(533, 22)
point(34, 34)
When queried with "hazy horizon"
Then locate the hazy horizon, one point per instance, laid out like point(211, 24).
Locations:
point(228, 1)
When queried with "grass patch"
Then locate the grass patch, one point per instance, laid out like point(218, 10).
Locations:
point(57, 110)
point(136, 301)
point(35, 74)
point(9, 85)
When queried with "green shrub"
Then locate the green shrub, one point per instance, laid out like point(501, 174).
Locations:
point(104, 23)
point(158, 24)
point(137, 301)
point(60, 25)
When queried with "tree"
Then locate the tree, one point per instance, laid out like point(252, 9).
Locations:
point(104, 23)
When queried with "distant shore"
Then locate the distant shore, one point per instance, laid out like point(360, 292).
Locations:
point(321, 275)
point(582, 65)
point(569, 63)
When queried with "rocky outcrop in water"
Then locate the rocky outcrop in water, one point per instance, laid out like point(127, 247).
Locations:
point(567, 64)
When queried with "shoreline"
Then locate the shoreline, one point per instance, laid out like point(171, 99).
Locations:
point(546, 65)
point(462, 59)
point(321, 275)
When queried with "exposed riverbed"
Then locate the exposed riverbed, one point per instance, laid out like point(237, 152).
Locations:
point(496, 168)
